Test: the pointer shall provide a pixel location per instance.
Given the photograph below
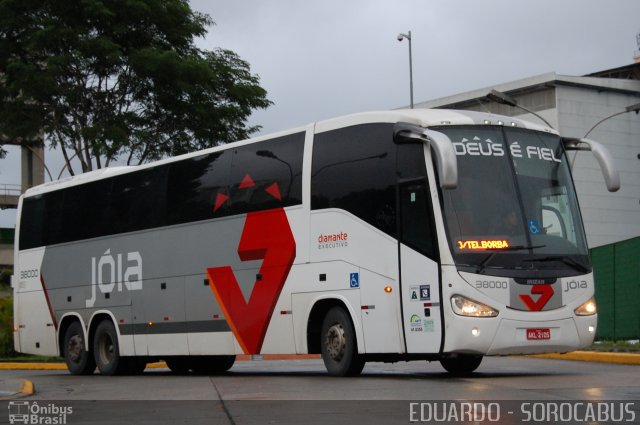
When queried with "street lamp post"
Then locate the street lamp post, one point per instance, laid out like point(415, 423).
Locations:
point(504, 99)
point(401, 37)
point(632, 108)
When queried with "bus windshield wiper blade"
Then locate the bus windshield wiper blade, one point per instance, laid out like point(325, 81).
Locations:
point(485, 261)
point(566, 260)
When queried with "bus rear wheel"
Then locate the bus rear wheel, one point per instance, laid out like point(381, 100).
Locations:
point(461, 365)
point(106, 351)
point(79, 359)
point(338, 345)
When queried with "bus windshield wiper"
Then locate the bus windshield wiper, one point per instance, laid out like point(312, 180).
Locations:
point(566, 260)
point(485, 261)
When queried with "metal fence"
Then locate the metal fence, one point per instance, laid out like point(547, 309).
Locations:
point(616, 269)
point(9, 194)
point(10, 190)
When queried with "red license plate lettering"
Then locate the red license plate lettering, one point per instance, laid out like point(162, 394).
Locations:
point(538, 334)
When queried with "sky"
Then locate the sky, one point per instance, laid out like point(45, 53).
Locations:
point(329, 58)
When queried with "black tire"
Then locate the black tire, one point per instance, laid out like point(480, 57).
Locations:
point(211, 365)
point(79, 360)
point(106, 351)
point(461, 365)
point(178, 365)
point(338, 344)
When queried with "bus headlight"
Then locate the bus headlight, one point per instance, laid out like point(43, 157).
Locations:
point(588, 308)
point(463, 306)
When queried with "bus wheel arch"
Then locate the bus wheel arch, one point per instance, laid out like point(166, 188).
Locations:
point(331, 333)
point(314, 323)
point(63, 325)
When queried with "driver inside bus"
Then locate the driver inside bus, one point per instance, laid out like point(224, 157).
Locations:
point(507, 224)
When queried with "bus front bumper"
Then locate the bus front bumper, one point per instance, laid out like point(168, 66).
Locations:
point(503, 336)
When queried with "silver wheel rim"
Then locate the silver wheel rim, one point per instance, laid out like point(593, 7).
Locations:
point(75, 348)
point(106, 349)
point(335, 342)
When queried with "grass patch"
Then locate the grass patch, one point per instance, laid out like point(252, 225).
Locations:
point(622, 346)
point(29, 358)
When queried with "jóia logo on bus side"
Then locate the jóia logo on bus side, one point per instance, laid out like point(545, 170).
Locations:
point(109, 272)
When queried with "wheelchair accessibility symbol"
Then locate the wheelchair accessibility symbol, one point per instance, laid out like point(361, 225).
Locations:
point(354, 280)
point(534, 227)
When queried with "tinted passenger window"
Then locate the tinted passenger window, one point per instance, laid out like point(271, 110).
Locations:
point(266, 175)
point(353, 169)
point(32, 222)
point(248, 178)
point(41, 220)
point(195, 185)
point(139, 200)
point(411, 163)
point(85, 211)
point(417, 228)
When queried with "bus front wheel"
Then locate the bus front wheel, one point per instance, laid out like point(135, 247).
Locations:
point(461, 365)
point(339, 345)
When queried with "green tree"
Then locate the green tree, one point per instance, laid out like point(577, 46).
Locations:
point(119, 78)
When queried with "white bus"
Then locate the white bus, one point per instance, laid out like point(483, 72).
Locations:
point(387, 236)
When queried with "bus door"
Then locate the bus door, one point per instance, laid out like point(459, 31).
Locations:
point(419, 269)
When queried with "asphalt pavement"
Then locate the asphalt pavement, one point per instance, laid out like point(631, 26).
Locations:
point(11, 389)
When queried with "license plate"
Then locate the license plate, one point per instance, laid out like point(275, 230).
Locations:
point(538, 333)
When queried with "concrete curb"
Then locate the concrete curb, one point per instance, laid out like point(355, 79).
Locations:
point(12, 389)
point(27, 388)
point(595, 356)
point(32, 366)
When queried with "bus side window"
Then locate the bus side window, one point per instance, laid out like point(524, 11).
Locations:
point(85, 211)
point(193, 185)
point(267, 174)
point(138, 200)
point(32, 222)
point(417, 228)
point(354, 169)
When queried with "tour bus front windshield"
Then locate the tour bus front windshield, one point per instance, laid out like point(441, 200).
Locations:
point(514, 212)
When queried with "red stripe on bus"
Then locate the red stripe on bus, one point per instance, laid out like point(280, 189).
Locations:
point(46, 296)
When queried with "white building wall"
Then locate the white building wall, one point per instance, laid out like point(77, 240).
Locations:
point(608, 217)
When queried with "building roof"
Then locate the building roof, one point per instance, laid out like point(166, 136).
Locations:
point(627, 72)
point(625, 79)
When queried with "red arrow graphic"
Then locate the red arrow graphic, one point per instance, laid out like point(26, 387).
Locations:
point(545, 291)
point(266, 235)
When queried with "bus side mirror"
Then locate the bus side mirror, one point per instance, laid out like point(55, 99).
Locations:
point(446, 158)
point(602, 155)
point(440, 144)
